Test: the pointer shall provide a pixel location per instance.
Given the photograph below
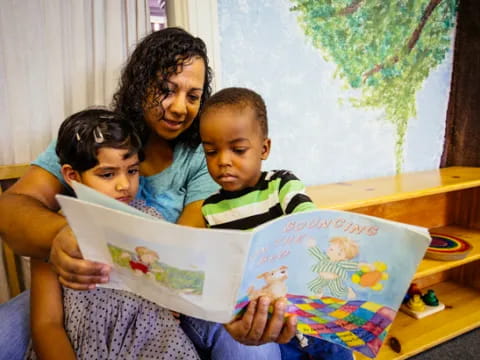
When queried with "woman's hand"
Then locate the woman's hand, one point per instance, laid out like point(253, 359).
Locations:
point(255, 328)
point(67, 261)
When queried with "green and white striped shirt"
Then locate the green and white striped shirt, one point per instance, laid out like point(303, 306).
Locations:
point(277, 193)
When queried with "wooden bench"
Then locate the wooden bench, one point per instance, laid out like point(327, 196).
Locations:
point(8, 175)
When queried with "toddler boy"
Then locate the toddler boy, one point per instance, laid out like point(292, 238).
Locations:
point(234, 134)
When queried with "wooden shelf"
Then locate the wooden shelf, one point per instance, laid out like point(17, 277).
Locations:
point(445, 201)
point(12, 171)
point(462, 314)
point(361, 193)
point(429, 267)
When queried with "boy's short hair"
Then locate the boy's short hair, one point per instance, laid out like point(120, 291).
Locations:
point(82, 134)
point(242, 97)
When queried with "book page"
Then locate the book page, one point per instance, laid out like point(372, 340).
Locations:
point(193, 271)
point(88, 194)
point(343, 274)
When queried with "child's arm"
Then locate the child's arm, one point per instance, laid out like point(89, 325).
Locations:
point(192, 215)
point(50, 340)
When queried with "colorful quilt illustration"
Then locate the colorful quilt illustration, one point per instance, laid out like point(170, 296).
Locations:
point(357, 324)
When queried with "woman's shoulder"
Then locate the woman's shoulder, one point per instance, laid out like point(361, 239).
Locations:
point(48, 160)
point(48, 155)
point(188, 154)
point(187, 163)
point(188, 160)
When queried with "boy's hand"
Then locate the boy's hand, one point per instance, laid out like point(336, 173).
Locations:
point(255, 328)
point(67, 261)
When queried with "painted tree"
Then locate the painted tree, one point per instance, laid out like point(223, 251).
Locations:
point(384, 48)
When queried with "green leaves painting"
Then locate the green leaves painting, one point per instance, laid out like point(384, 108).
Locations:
point(386, 49)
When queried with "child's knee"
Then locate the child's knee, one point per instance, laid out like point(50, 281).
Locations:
point(202, 333)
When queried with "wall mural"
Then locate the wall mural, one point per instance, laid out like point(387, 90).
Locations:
point(384, 48)
point(354, 88)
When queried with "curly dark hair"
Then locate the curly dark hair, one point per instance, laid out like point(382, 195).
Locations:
point(84, 133)
point(242, 98)
point(162, 52)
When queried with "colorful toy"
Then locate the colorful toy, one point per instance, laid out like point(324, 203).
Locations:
point(418, 305)
point(447, 247)
point(430, 298)
point(414, 289)
point(368, 277)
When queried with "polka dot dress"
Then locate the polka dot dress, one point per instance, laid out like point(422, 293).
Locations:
point(115, 324)
point(142, 206)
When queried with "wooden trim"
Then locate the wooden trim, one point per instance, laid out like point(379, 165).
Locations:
point(12, 171)
point(8, 175)
point(411, 185)
point(12, 267)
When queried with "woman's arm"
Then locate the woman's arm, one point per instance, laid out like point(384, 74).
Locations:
point(29, 219)
point(31, 225)
point(50, 340)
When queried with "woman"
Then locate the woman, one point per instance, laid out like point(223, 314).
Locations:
point(162, 89)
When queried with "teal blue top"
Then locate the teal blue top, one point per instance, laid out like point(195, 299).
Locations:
point(186, 180)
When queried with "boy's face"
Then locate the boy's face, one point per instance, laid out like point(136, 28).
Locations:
point(114, 175)
point(234, 146)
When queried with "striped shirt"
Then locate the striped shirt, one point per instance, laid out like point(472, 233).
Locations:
point(277, 193)
point(324, 264)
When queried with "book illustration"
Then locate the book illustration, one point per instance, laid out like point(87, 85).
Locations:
point(371, 277)
point(145, 262)
point(340, 275)
point(344, 275)
point(275, 284)
point(332, 267)
point(361, 325)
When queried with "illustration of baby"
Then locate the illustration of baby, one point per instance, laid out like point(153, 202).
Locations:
point(333, 266)
point(275, 284)
point(142, 264)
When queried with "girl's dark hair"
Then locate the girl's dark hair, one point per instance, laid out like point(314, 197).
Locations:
point(243, 98)
point(82, 134)
point(157, 57)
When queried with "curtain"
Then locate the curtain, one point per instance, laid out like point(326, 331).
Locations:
point(58, 57)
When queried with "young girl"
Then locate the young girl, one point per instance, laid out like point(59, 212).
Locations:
point(100, 149)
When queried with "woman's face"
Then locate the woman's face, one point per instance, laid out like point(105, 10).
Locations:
point(179, 107)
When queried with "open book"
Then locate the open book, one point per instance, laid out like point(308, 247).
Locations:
point(343, 274)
